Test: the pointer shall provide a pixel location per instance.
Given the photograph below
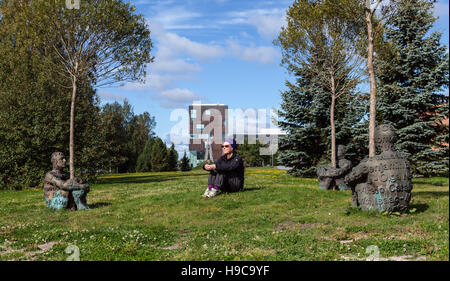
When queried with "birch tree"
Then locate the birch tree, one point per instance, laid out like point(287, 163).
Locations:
point(370, 7)
point(100, 42)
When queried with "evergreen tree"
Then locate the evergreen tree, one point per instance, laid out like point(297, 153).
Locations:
point(124, 135)
point(305, 111)
point(159, 159)
point(114, 133)
point(320, 47)
point(251, 156)
point(412, 73)
point(144, 161)
point(323, 37)
point(172, 159)
point(141, 129)
point(184, 163)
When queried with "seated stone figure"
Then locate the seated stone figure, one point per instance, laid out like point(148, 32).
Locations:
point(382, 182)
point(333, 178)
point(59, 191)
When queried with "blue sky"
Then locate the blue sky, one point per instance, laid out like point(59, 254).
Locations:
point(214, 51)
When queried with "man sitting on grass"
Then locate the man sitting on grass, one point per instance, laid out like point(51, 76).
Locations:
point(227, 173)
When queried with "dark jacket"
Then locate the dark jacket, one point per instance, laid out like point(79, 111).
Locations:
point(233, 171)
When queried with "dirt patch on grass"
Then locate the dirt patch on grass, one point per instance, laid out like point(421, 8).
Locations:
point(393, 258)
point(290, 225)
point(173, 247)
point(31, 255)
point(181, 243)
point(47, 246)
point(259, 252)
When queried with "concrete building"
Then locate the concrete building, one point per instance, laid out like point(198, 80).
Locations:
point(207, 128)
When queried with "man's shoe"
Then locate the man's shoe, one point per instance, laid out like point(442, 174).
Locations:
point(213, 192)
point(207, 191)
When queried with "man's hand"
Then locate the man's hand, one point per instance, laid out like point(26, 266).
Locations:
point(210, 167)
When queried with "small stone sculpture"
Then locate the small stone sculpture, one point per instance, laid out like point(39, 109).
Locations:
point(333, 178)
point(59, 191)
point(382, 182)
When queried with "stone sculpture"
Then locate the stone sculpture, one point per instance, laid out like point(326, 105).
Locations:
point(60, 191)
point(382, 182)
point(333, 178)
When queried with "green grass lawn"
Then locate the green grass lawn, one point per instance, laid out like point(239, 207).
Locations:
point(162, 216)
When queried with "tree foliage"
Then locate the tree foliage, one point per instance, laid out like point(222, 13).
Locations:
point(412, 73)
point(101, 43)
point(144, 161)
point(159, 156)
point(124, 135)
point(321, 47)
point(305, 118)
point(325, 37)
point(34, 108)
point(184, 163)
point(251, 156)
point(172, 159)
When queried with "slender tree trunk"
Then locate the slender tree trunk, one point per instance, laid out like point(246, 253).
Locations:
point(72, 123)
point(373, 86)
point(333, 132)
point(332, 124)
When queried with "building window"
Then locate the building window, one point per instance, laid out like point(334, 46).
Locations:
point(208, 112)
point(224, 122)
point(193, 114)
point(200, 126)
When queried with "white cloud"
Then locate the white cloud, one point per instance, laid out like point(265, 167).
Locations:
point(179, 44)
point(181, 95)
point(174, 66)
point(179, 58)
point(169, 18)
point(268, 22)
point(110, 96)
point(233, 21)
point(172, 60)
point(261, 54)
point(267, 26)
point(177, 97)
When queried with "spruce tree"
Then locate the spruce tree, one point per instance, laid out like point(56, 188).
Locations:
point(184, 163)
point(250, 154)
point(159, 159)
point(320, 48)
point(412, 73)
point(305, 111)
point(172, 159)
point(144, 161)
point(324, 37)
